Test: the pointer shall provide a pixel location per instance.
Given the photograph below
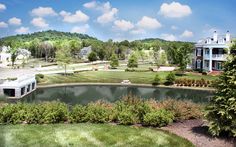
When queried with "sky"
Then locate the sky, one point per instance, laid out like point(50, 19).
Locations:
point(181, 20)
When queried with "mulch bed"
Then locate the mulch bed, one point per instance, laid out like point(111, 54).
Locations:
point(196, 132)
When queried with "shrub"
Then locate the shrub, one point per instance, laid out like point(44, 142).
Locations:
point(157, 80)
point(77, 114)
point(39, 77)
point(92, 56)
point(158, 118)
point(182, 110)
point(98, 113)
point(54, 112)
point(170, 79)
point(126, 117)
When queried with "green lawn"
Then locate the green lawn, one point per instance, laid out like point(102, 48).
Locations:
point(115, 77)
point(86, 135)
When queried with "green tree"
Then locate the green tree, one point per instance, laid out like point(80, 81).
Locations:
point(157, 80)
point(92, 56)
point(63, 55)
point(14, 51)
point(114, 61)
point(170, 78)
point(163, 58)
point(75, 46)
point(133, 61)
point(221, 112)
point(183, 56)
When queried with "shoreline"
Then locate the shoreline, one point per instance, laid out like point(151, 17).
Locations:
point(119, 84)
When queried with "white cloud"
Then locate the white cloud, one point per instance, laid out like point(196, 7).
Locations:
point(22, 30)
point(80, 29)
point(148, 23)
point(123, 25)
point(175, 10)
point(79, 16)
point(137, 31)
point(43, 11)
point(90, 5)
point(174, 27)
point(3, 24)
point(169, 37)
point(186, 34)
point(108, 16)
point(2, 7)
point(14, 21)
point(39, 22)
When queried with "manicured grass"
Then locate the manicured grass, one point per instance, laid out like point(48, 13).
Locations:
point(115, 77)
point(86, 135)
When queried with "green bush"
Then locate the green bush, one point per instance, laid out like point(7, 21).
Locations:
point(39, 77)
point(157, 80)
point(97, 113)
point(54, 112)
point(170, 78)
point(158, 118)
point(127, 117)
point(77, 114)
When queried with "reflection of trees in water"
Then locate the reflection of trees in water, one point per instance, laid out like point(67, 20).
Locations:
point(156, 94)
point(86, 94)
point(133, 91)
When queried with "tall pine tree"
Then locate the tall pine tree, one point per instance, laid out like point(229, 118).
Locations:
point(221, 112)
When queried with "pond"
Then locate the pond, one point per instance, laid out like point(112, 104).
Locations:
point(85, 94)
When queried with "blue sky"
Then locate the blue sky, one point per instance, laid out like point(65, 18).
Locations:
point(188, 20)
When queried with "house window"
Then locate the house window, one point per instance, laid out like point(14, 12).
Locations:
point(199, 52)
point(33, 86)
point(207, 64)
point(22, 90)
point(28, 88)
point(207, 52)
point(9, 92)
point(199, 64)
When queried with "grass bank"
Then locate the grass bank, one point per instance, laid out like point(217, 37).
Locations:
point(86, 135)
point(115, 77)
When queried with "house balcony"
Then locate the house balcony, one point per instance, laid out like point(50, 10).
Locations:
point(219, 57)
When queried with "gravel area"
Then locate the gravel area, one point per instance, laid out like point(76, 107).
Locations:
point(196, 132)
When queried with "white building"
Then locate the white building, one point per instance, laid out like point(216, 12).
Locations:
point(18, 88)
point(211, 53)
point(5, 56)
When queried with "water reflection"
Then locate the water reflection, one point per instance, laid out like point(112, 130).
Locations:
point(86, 94)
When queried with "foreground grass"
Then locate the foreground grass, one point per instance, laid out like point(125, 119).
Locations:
point(86, 135)
point(116, 77)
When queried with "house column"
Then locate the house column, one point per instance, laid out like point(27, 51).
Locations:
point(203, 58)
point(210, 60)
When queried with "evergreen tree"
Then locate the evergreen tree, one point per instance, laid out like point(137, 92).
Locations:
point(221, 112)
point(114, 61)
point(133, 61)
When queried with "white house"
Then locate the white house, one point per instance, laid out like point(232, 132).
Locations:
point(18, 88)
point(211, 53)
point(5, 56)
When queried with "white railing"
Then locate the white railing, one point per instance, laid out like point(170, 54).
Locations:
point(216, 56)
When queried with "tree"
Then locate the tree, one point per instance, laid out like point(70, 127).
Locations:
point(63, 55)
point(75, 46)
point(47, 46)
point(92, 56)
point(157, 80)
point(156, 56)
point(14, 51)
point(170, 78)
point(183, 56)
point(114, 61)
point(163, 58)
point(221, 112)
point(133, 61)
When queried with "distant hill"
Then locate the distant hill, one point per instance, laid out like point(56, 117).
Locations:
point(47, 35)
